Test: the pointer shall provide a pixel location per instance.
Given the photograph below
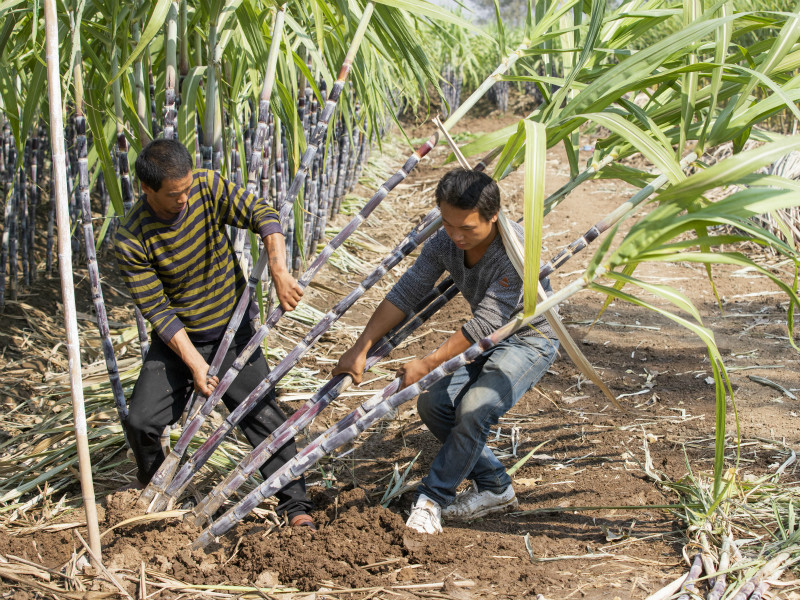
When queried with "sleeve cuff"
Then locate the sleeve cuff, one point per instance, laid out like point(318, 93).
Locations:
point(170, 329)
point(472, 332)
point(269, 228)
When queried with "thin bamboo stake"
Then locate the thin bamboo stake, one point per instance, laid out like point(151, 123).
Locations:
point(65, 270)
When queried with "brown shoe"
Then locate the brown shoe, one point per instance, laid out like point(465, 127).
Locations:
point(302, 520)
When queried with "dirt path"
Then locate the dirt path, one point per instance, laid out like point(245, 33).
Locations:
point(590, 455)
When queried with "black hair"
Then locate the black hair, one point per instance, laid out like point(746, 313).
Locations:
point(467, 190)
point(162, 159)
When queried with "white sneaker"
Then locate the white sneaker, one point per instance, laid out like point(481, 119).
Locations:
point(474, 504)
point(426, 516)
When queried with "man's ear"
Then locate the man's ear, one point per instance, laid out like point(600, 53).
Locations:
point(146, 188)
point(494, 218)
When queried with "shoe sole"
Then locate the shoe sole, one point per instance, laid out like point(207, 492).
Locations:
point(489, 510)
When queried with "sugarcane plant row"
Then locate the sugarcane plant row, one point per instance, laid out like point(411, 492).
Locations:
point(334, 172)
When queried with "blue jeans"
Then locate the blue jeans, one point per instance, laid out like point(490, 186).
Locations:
point(461, 409)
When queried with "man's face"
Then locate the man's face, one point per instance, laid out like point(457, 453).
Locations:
point(171, 197)
point(466, 227)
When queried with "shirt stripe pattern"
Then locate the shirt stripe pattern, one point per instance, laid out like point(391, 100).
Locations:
point(183, 273)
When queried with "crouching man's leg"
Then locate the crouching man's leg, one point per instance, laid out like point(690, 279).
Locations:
point(158, 400)
point(507, 373)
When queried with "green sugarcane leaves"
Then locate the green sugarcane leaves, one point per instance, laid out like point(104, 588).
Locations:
point(535, 174)
point(154, 25)
point(94, 118)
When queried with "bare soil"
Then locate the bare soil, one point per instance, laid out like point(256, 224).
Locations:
point(591, 454)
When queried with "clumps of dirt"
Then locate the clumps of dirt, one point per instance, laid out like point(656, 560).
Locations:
point(121, 506)
point(352, 534)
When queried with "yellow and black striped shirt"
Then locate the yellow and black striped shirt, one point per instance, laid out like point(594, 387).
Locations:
point(183, 272)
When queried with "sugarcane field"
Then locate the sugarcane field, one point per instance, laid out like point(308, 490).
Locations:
point(399, 299)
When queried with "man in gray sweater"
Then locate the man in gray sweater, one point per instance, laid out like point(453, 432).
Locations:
point(461, 408)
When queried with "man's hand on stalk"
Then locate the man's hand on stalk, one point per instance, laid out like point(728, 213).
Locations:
point(287, 289)
point(181, 345)
point(414, 370)
point(352, 363)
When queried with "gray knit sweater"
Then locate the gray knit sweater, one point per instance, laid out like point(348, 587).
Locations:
point(492, 287)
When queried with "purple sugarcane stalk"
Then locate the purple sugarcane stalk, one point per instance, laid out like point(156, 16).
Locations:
point(420, 233)
point(91, 257)
point(357, 421)
point(195, 417)
point(377, 407)
point(318, 402)
point(690, 583)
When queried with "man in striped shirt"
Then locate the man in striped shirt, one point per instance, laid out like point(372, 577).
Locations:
point(178, 264)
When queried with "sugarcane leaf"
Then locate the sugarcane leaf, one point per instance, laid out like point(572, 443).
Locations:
point(101, 144)
point(158, 17)
point(436, 13)
point(728, 171)
point(617, 80)
point(34, 94)
point(785, 41)
point(513, 146)
point(9, 93)
point(656, 153)
point(535, 175)
point(588, 43)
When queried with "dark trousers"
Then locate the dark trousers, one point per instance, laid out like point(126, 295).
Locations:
point(163, 389)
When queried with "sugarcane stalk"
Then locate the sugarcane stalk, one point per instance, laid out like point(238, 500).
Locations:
point(253, 170)
point(65, 269)
point(772, 565)
point(720, 582)
point(88, 239)
point(8, 220)
point(377, 407)
point(170, 88)
point(317, 403)
point(126, 187)
point(690, 582)
point(141, 99)
point(171, 462)
point(317, 135)
point(211, 101)
point(154, 127)
point(317, 138)
point(22, 220)
point(11, 224)
point(34, 202)
point(420, 233)
point(51, 220)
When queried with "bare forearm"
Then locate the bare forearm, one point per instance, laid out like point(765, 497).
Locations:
point(385, 318)
point(287, 289)
point(181, 345)
point(275, 244)
point(453, 346)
